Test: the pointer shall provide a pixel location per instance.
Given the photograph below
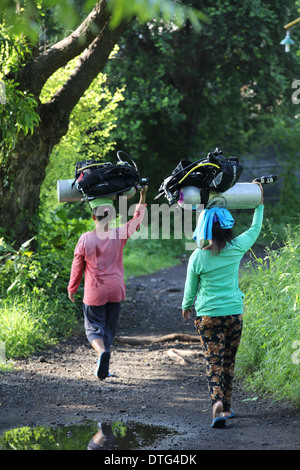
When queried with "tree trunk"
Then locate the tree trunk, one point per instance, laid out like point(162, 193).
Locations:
point(22, 176)
point(20, 184)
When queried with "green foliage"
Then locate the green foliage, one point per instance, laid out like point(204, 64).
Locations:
point(23, 325)
point(148, 100)
point(170, 11)
point(17, 116)
point(27, 18)
point(92, 119)
point(267, 358)
point(281, 144)
point(14, 51)
point(156, 255)
point(15, 264)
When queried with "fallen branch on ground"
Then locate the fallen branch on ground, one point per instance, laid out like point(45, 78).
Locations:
point(161, 339)
point(182, 355)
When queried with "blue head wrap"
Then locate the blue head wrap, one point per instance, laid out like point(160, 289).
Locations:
point(205, 222)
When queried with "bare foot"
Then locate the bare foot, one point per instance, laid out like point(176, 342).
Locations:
point(218, 410)
point(228, 414)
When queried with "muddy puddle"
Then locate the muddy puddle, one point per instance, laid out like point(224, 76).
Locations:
point(85, 436)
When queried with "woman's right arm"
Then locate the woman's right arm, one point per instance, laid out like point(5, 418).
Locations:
point(127, 230)
point(77, 269)
point(248, 238)
point(262, 191)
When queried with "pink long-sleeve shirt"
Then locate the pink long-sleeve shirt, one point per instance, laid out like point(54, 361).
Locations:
point(100, 259)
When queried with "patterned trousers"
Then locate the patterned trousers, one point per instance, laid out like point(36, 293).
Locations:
point(220, 338)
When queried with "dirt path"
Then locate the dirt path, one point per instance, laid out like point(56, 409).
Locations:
point(148, 385)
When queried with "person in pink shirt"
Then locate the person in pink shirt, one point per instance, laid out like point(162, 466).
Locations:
point(99, 256)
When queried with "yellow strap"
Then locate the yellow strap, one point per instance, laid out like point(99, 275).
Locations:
point(195, 167)
point(88, 166)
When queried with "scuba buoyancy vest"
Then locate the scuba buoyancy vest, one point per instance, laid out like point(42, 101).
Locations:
point(95, 179)
point(212, 174)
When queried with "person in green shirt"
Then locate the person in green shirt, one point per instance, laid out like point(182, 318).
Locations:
point(211, 286)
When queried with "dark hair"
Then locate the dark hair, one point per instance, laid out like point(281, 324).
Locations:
point(220, 236)
point(96, 212)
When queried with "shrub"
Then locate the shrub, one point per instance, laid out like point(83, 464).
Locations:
point(267, 357)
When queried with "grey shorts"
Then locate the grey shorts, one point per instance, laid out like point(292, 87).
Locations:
point(101, 321)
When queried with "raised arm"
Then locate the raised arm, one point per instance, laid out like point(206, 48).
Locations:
point(127, 230)
point(249, 237)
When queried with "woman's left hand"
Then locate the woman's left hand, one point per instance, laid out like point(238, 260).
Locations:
point(186, 314)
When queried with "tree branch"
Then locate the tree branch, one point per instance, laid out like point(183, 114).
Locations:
point(160, 339)
point(34, 75)
point(89, 65)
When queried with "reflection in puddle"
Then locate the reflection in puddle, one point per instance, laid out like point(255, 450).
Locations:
point(90, 435)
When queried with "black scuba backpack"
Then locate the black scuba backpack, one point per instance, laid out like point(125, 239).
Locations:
point(96, 179)
point(214, 173)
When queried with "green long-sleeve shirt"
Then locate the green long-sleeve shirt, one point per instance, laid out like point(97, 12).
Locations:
point(213, 278)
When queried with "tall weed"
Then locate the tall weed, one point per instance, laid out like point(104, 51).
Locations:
point(267, 358)
point(30, 323)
